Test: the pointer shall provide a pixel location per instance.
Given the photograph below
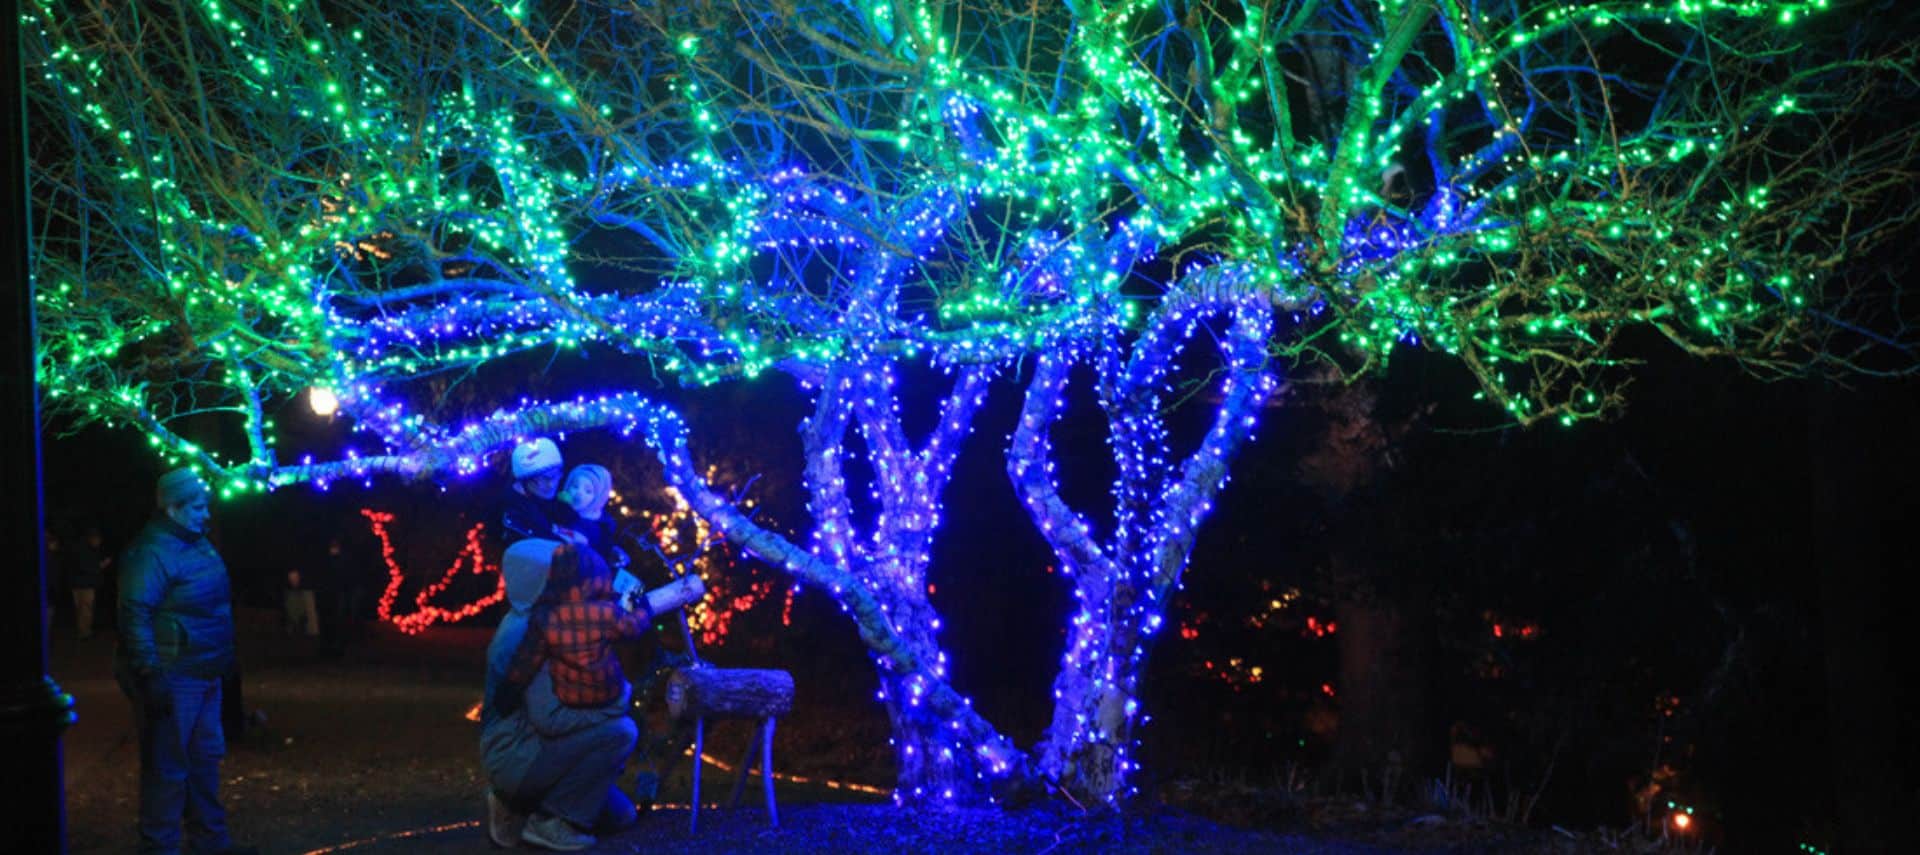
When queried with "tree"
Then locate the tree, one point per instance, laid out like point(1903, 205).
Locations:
point(247, 200)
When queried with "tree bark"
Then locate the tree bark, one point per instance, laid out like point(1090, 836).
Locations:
point(729, 693)
point(1862, 713)
point(1100, 703)
point(936, 764)
point(1383, 696)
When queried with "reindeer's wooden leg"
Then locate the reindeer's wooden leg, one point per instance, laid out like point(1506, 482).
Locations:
point(746, 764)
point(766, 767)
point(699, 750)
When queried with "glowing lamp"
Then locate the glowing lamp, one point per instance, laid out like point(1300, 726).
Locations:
point(323, 401)
point(1682, 821)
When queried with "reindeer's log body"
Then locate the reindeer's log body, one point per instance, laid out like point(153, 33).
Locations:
point(729, 693)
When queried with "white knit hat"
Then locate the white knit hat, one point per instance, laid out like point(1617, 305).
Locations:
point(534, 457)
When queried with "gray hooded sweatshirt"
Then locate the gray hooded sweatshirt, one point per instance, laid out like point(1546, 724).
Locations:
point(510, 743)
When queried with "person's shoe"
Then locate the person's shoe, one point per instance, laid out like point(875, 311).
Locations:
point(552, 832)
point(503, 825)
point(646, 789)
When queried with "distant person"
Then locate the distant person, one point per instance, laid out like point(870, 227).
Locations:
point(86, 570)
point(176, 643)
point(338, 592)
point(551, 769)
point(585, 496)
point(302, 612)
point(529, 508)
point(56, 570)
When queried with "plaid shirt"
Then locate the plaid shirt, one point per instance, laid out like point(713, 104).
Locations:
point(575, 638)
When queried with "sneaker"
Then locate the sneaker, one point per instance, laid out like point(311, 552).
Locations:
point(503, 825)
point(552, 832)
point(646, 789)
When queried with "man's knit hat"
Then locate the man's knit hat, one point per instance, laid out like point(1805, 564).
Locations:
point(179, 487)
point(534, 457)
point(525, 567)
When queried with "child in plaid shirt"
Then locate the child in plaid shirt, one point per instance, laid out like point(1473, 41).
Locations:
point(574, 626)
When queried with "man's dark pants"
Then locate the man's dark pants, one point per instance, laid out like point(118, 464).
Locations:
point(180, 767)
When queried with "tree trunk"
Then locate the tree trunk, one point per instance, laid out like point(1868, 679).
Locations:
point(1856, 625)
point(1095, 767)
point(1385, 725)
point(935, 764)
point(1087, 747)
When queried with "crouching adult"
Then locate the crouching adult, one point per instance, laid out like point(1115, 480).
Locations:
point(551, 769)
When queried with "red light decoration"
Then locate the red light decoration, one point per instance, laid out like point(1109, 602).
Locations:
point(682, 536)
point(425, 613)
point(1504, 628)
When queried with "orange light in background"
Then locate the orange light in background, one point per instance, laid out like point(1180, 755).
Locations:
point(691, 545)
point(1682, 821)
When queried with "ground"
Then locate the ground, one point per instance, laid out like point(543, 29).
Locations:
point(374, 753)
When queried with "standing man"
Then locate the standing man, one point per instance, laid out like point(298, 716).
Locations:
point(335, 599)
point(176, 642)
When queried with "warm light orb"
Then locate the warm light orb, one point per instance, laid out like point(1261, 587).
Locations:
point(322, 400)
point(1682, 821)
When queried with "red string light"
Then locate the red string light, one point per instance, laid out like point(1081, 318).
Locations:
point(728, 596)
point(425, 613)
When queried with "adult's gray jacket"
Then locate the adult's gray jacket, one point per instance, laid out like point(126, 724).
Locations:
point(176, 607)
